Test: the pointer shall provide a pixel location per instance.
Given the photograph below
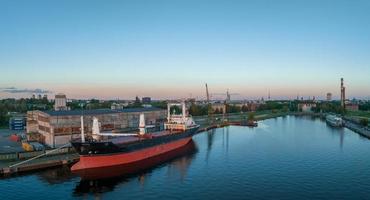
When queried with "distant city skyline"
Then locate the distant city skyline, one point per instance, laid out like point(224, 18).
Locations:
point(170, 49)
point(199, 95)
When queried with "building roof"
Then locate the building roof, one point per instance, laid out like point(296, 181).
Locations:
point(98, 111)
point(147, 109)
point(60, 95)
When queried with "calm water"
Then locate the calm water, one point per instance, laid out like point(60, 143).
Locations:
point(284, 158)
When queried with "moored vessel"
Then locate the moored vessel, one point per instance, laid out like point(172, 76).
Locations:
point(107, 150)
point(334, 120)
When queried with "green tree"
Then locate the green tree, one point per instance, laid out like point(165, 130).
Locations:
point(244, 108)
point(251, 116)
point(175, 110)
point(198, 110)
point(285, 109)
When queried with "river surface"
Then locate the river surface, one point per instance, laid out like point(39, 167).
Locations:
point(284, 158)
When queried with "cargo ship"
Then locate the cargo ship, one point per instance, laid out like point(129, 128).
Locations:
point(114, 173)
point(107, 149)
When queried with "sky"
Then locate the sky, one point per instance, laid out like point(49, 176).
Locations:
point(170, 49)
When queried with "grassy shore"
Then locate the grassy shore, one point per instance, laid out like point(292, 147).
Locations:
point(219, 119)
point(358, 114)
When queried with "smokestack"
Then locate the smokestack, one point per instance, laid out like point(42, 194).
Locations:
point(342, 93)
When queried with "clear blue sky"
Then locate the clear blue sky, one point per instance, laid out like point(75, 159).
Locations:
point(167, 49)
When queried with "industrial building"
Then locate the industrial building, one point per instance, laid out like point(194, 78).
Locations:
point(56, 128)
point(306, 106)
point(220, 107)
point(352, 106)
point(17, 122)
point(146, 100)
point(329, 96)
point(60, 102)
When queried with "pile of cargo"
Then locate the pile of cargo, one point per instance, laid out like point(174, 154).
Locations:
point(32, 146)
point(14, 138)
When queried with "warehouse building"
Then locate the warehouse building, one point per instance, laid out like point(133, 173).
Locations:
point(56, 128)
point(60, 102)
point(17, 122)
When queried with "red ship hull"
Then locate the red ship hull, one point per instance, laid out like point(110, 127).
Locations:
point(89, 163)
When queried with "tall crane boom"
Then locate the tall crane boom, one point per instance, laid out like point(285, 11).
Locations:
point(209, 106)
point(207, 93)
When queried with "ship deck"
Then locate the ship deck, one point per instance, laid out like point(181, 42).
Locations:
point(132, 139)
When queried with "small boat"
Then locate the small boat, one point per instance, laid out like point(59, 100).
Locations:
point(334, 120)
point(252, 123)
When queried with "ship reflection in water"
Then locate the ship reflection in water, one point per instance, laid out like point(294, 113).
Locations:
point(105, 179)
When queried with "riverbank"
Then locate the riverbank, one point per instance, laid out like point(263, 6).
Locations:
point(357, 128)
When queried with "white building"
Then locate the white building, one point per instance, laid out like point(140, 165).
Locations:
point(60, 102)
point(306, 106)
point(328, 96)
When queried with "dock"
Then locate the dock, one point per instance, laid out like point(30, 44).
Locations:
point(41, 164)
point(14, 163)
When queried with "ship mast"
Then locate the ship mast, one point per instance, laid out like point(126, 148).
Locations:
point(142, 124)
point(183, 111)
point(82, 130)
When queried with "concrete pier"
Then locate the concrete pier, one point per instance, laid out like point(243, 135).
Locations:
point(37, 164)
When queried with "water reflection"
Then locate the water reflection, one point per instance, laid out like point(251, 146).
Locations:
point(178, 161)
point(53, 175)
point(333, 130)
point(337, 131)
point(210, 139)
point(226, 135)
point(57, 175)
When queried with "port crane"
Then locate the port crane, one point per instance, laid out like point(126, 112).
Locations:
point(226, 102)
point(228, 95)
point(210, 112)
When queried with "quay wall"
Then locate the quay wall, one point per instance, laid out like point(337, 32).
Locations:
point(31, 154)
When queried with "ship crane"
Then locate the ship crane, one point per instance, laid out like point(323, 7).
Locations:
point(96, 129)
